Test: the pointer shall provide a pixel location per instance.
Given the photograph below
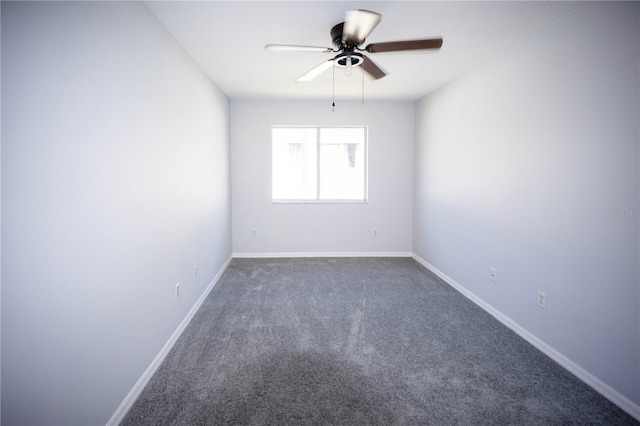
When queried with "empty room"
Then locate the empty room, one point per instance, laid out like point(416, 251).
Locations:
point(320, 212)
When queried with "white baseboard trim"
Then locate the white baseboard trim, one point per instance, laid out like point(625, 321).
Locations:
point(133, 395)
point(604, 389)
point(324, 254)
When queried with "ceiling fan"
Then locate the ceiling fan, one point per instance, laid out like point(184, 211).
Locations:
point(347, 38)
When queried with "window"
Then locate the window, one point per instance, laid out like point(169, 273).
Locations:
point(319, 164)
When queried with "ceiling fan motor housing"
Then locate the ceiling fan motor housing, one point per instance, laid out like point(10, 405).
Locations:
point(336, 37)
point(347, 48)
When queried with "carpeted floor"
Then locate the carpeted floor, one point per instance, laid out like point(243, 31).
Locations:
point(354, 341)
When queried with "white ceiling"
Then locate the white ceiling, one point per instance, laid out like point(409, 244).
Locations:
point(227, 39)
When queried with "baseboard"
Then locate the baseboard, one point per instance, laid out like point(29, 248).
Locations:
point(324, 254)
point(133, 395)
point(604, 389)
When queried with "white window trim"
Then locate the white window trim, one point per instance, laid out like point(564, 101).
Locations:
point(326, 201)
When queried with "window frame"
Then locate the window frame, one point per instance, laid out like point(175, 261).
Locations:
point(318, 200)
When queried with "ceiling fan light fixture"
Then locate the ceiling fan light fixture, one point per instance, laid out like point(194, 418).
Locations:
point(341, 59)
point(348, 61)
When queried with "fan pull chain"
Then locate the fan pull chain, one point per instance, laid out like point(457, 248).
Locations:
point(333, 105)
point(362, 86)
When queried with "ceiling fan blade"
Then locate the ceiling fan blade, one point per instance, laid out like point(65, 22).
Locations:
point(297, 48)
point(397, 46)
point(372, 69)
point(316, 71)
point(358, 24)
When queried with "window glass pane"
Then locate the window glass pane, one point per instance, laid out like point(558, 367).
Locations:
point(294, 163)
point(342, 163)
point(339, 152)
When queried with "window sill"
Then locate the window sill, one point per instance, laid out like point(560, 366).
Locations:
point(319, 201)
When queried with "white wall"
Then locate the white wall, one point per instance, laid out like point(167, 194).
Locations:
point(322, 228)
point(115, 183)
point(516, 166)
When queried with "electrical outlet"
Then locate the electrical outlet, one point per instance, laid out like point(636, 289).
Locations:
point(542, 300)
point(178, 291)
point(195, 272)
point(375, 232)
point(493, 274)
point(253, 233)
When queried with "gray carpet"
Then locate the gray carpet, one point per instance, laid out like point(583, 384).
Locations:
point(356, 341)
